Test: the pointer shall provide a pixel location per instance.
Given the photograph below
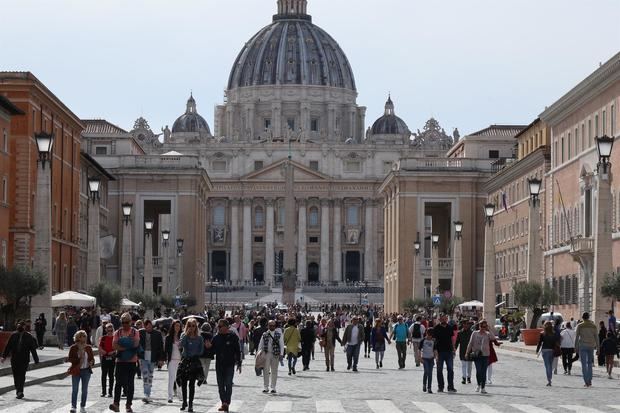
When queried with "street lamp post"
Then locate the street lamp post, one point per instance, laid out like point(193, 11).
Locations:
point(43, 226)
point(603, 264)
point(534, 255)
point(435, 264)
point(93, 257)
point(489, 265)
point(457, 267)
point(126, 263)
point(418, 281)
point(165, 273)
point(148, 257)
point(180, 243)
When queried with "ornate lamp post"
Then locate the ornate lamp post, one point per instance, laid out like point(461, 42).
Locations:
point(435, 264)
point(418, 287)
point(489, 265)
point(180, 243)
point(148, 257)
point(457, 267)
point(165, 272)
point(43, 225)
point(126, 263)
point(603, 264)
point(93, 258)
point(534, 254)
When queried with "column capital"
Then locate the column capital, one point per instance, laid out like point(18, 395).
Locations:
point(270, 202)
point(338, 202)
point(302, 202)
point(325, 202)
point(234, 201)
point(247, 201)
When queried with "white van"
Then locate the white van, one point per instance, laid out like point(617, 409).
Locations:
point(547, 317)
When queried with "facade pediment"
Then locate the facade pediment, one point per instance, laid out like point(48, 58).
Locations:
point(275, 172)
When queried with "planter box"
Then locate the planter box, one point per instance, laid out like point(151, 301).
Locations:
point(531, 336)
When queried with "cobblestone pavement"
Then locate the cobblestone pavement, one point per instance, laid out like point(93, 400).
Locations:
point(518, 386)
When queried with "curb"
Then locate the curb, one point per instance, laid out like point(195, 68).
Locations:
point(39, 380)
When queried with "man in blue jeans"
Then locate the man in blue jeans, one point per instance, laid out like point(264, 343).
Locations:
point(443, 338)
point(400, 334)
point(227, 352)
point(586, 340)
point(352, 338)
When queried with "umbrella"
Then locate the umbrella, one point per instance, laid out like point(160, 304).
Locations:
point(198, 318)
point(127, 303)
point(72, 298)
point(474, 303)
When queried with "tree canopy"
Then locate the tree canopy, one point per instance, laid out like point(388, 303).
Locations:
point(16, 285)
point(535, 297)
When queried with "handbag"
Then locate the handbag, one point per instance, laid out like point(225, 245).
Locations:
point(475, 354)
point(557, 350)
point(261, 358)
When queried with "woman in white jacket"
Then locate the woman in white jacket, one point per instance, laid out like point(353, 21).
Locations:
point(568, 347)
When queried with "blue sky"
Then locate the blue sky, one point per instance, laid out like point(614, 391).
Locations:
point(468, 63)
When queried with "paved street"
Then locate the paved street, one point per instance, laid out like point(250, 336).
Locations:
point(518, 386)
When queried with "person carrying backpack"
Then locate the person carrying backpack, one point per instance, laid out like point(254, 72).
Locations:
point(417, 331)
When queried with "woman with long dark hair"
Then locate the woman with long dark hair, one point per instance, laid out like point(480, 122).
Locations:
point(547, 345)
point(479, 350)
point(173, 356)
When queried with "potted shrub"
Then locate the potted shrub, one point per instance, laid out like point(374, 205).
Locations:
point(535, 297)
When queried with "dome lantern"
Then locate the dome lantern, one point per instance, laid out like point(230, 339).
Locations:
point(289, 8)
point(389, 106)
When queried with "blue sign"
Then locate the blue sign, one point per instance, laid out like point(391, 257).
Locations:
point(436, 300)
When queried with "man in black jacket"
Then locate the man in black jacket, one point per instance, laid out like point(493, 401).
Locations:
point(443, 340)
point(152, 342)
point(19, 347)
point(225, 346)
point(308, 337)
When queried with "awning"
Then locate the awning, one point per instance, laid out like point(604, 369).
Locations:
point(127, 303)
point(72, 298)
point(474, 303)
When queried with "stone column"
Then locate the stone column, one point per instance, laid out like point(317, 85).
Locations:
point(148, 264)
point(235, 277)
point(93, 260)
point(457, 269)
point(165, 269)
point(302, 265)
point(534, 253)
point(126, 259)
point(603, 263)
point(418, 279)
point(369, 238)
point(179, 287)
point(434, 269)
point(324, 271)
point(247, 240)
point(276, 126)
point(269, 242)
point(43, 241)
point(337, 268)
point(489, 273)
point(331, 121)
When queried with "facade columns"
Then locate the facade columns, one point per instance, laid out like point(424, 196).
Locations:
point(247, 240)
point(93, 260)
point(302, 265)
point(43, 241)
point(148, 263)
point(603, 264)
point(276, 128)
point(331, 121)
point(324, 272)
point(234, 241)
point(489, 273)
point(369, 234)
point(126, 261)
point(269, 242)
point(337, 254)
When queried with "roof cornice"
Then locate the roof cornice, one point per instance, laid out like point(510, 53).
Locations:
point(540, 156)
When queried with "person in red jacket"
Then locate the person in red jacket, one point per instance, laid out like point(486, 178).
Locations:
point(107, 355)
point(82, 361)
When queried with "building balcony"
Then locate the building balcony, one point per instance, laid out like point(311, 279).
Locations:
point(434, 164)
point(582, 251)
point(444, 264)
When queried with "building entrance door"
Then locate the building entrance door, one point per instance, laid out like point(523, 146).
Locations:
point(218, 265)
point(353, 266)
point(313, 272)
point(259, 272)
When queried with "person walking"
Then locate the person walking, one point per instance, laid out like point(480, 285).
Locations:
point(72, 328)
point(172, 347)
point(378, 337)
point(125, 342)
point(328, 339)
point(443, 336)
point(602, 335)
point(190, 368)
point(547, 344)
point(19, 347)
point(82, 361)
point(611, 322)
point(428, 349)
point(308, 338)
point(400, 335)
point(40, 326)
point(272, 346)
point(367, 332)
point(478, 350)
point(586, 341)
point(292, 343)
point(462, 340)
point(207, 354)
point(352, 340)
point(60, 329)
point(567, 345)
point(107, 356)
point(225, 347)
point(152, 344)
point(609, 349)
point(417, 332)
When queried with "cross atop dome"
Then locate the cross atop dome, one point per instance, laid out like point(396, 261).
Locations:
point(296, 9)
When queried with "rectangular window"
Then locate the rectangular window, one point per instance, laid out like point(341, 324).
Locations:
point(219, 215)
point(313, 240)
point(267, 123)
point(596, 125)
point(258, 239)
point(604, 122)
point(555, 153)
point(562, 150)
point(101, 150)
point(583, 136)
point(281, 216)
point(569, 147)
point(577, 148)
point(290, 122)
point(5, 190)
point(314, 125)
point(387, 167)
point(218, 166)
point(493, 154)
point(613, 120)
point(589, 133)
point(5, 140)
point(314, 165)
point(258, 165)
point(353, 215)
point(352, 166)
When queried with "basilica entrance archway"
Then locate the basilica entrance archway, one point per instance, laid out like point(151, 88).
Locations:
point(353, 266)
point(313, 272)
point(259, 272)
point(218, 265)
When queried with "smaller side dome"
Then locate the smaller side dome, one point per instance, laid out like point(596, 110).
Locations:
point(191, 121)
point(389, 123)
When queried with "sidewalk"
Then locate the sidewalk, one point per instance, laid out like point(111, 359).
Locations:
point(519, 347)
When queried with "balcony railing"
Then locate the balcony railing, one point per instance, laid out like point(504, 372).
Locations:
point(462, 164)
point(444, 263)
point(582, 245)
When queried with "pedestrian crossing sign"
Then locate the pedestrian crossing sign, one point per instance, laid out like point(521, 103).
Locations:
point(436, 300)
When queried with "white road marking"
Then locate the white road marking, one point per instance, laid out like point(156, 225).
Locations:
point(382, 406)
point(580, 409)
point(166, 409)
point(431, 407)
point(329, 406)
point(235, 406)
point(66, 408)
point(528, 408)
point(283, 406)
point(24, 407)
point(614, 406)
point(480, 408)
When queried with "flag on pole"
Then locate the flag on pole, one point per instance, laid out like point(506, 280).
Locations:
point(505, 200)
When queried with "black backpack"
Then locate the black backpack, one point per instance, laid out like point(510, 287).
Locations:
point(416, 331)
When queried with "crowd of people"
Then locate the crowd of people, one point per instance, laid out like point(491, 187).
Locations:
point(130, 344)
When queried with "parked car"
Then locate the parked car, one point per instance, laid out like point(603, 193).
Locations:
point(547, 317)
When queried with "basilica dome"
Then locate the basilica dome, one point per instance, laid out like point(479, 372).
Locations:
point(191, 121)
point(292, 51)
point(389, 123)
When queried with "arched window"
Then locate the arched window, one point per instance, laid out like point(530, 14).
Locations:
point(219, 215)
point(259, 217)
point(313, 217)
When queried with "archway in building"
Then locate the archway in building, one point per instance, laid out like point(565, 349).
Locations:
point(259, 272)
point(313, 272)
point(218, 265)
point(353, 266)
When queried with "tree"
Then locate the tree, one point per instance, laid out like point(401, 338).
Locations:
point(17, 285)
point(108, 295)
point(148, 301)
point(448, 305)
point(535, 297)
point(611, 286)
point(413, 305)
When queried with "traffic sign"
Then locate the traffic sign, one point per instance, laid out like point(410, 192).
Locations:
point(436, 299)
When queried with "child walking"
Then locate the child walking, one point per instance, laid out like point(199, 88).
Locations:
point(428, 348)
